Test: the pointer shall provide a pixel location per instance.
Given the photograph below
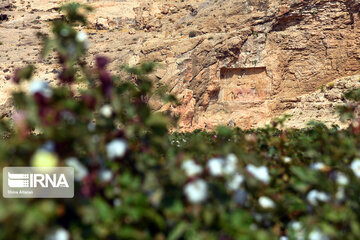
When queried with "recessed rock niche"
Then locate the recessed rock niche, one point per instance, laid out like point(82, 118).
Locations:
point(244, 84)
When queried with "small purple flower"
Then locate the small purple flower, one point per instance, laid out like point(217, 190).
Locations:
point(62, 59)
point(41, 100)
point(42, 94)
point(16, 78)
point(88, 188)
point(48, 115)
point(89, 101)
point(66, 76)
point(101, 62)
point(106, 83)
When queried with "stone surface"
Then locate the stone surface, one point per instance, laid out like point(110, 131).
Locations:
point(321, 104)
point(232, 62)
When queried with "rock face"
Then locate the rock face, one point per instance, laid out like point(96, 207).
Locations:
point(238, 62)
point(320, 104)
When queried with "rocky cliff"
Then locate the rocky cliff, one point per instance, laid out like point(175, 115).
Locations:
point(236, 62)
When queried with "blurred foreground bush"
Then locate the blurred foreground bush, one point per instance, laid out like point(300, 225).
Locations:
point(134, 180)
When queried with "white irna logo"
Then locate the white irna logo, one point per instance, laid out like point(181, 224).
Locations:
point(38, 182)
point(33, 180)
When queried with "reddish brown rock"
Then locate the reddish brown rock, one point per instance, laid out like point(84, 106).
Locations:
point(236, 61)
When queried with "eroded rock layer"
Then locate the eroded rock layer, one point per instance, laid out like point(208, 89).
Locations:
point(237, 62)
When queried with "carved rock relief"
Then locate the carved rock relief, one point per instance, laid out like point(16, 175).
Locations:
point(244, 84)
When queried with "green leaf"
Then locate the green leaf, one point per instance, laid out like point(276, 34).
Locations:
point(305, 174)
point(103, 210)
point(178, 231)
point(20, 100)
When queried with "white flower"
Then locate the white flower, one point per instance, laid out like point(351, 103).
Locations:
point(117, 202)
point(284, 238)
point(81, 36)
point(287, 159)
point(105, 175)
point(340, 194)
point(296, 226)
point(319, 166)
point(91, 127)
point(196, 191)
point(191, 168)
point(298, 229)
point(266, 202)
point(260, 173)
point(80, 171)
point(355, 166)
point(259, 217)
point(317, 235)
point(230, 164)
point(215, 166)
point(341, 179)
point(235, 182)
point(315, 196)
point(41, 87)
point(59, 234)
point(106, 110)
point(116, 148)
